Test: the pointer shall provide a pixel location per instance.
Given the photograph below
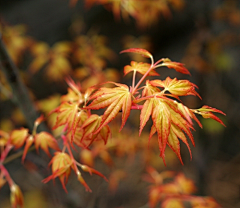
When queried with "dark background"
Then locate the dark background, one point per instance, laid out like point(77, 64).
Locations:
point(208, 45)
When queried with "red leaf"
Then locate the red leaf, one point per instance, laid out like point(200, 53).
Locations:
point(18, 137)
point(206, 112)
point(28, 144)
point(46, 140)
point(140, 51)
point(139, 67)
point(176, 87)
point(115, 99)
point(179, 67)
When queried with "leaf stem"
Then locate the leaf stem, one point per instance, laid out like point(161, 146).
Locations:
point(141, 80)
point(7, 175)
point(16, 155)
point(136, 107)
point(134, 78)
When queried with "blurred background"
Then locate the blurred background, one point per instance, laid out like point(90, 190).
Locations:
point(202, 34)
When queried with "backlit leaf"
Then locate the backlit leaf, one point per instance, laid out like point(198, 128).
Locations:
point(139, 67)
point(90, 125)
point(176, 87)
point(18, 137)
point(46, 140)
point(61, 167)
point(145, 113)
point(172, 203)
point(140, 51)
point(179, 67)
point(206, 112)
point(115, 99)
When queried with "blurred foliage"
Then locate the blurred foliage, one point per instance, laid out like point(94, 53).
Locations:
point(211, 55)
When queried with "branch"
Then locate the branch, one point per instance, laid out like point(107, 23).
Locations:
point(19, 90)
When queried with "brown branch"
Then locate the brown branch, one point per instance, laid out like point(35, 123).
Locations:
point(19, 90)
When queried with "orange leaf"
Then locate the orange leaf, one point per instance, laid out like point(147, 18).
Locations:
point(16, 196)
point(69, 114)
point(61, 167)
point(149, 89)
point(18, 137)
point(145, 113)
point(206, 112)
point(82, 181)
point(114, 179)
point(28, 144)
point(91, 171)
point(154, 196)
point(179, 67)
point(115, 99)
point(4, 137)
point(187, 113)
point(171, 202)
point(46, 140)
point(140, 51)
point(169, 123)
point(186, 186)
point(139, 67)
point(162, 122)
point(176, 87)
point(91, 125)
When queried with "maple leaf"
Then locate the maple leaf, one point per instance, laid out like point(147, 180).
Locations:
point(61, 167)
point(149, 89)
point(4, 137)
point(169, 203)
point(114, 179)
point(204, 202)
point(55, 59)
point(69, 114)
point(90, 125)
point(18, 137)
point(206, 112)
point(16, 40)
point(58, 69)
point(40, 52)
point(92, 51)
point(16, 196)
point(140, 51)
point(139, 67)
point(137, 42)
point(185, 185)
point(92, 171)
point(179, 67)
point(168, 122)
point(115, 99)
point(45, 140)
point(176, 87)
point(29, 142)
point(187, 113)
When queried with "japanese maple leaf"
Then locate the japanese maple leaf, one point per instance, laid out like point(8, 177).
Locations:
point(61, 167)
point(55, 59)
point(91, 125)
point(140, 67)
point(149, 89)
point(45, 140)
point(168, 122)
point(179, 67)
point(176, 87)
point(69, 114)
point(114, 99)
point(206, 112)
point(18, 137)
